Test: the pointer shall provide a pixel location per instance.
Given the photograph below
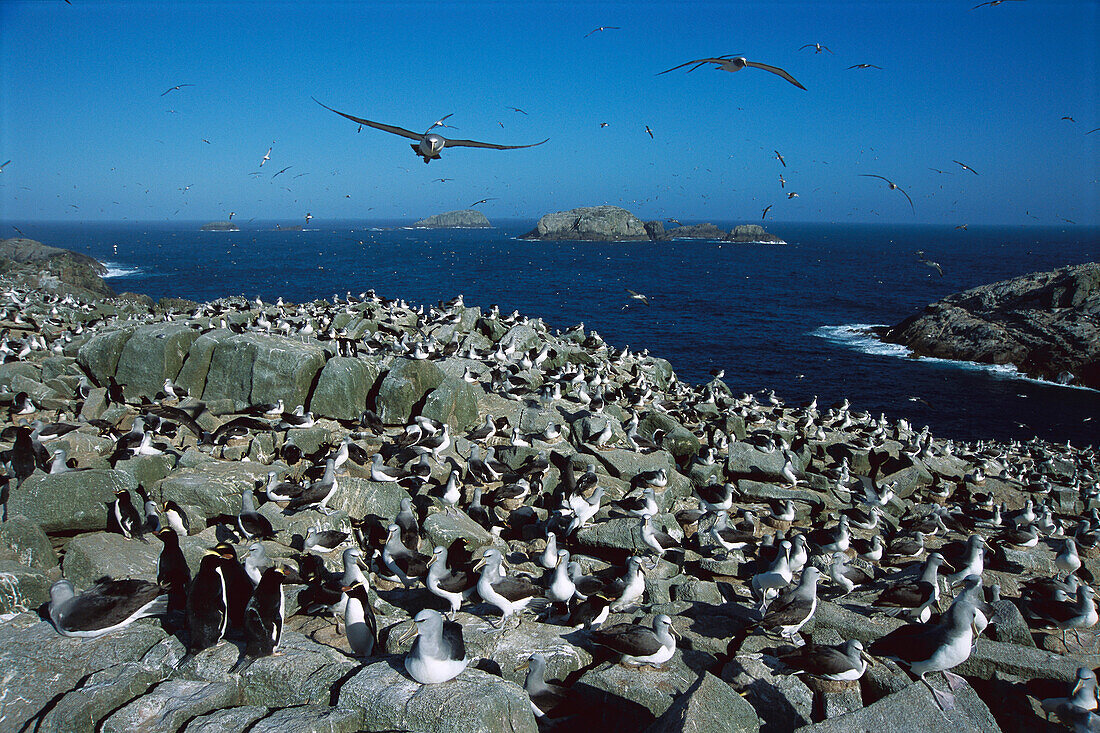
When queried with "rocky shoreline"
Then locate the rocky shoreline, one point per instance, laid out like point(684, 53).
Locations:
point(1046, 324)
point(581, 429)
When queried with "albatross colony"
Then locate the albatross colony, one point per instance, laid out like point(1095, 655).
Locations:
point(364, 514)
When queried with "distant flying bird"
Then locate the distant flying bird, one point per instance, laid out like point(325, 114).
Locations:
point(308, 217)
point(602, 28)
point(482, 201)
point(734, 63)
point(267, 157)
point(206, 141)
point(782, 181)
point(638, 297)
point(674, 221)
point(1067, 117)
point(766, 210)
point(961, 226)
point(792, 195)
point(1092, 131)
point(17, 229)
point(864, 66)
point(991, 3)
point(428, 144)
point(517, 109)
point(946, 173)
point(892, 187)
point(649, 131)
point(284, 170)
point(604, 124)
point(779, 157)
point(442, 180)
point(817, 47)
point(2, 167)
point(175, 88)
point(231, 213)
point(966, 167)
point(925, 261)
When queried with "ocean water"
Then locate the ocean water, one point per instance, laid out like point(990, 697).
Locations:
point(788, 318)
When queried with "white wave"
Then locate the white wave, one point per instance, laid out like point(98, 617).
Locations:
point(115, 269)
point(858, 336)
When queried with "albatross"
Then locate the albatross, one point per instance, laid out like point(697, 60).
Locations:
point(733, 63)
point(428, 144)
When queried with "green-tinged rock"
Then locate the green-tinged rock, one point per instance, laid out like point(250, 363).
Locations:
point(100, 353)
point(443, 528)
point(472, 702)
point(404, 385)
point(153, 353)
point(89, 557)
point(454, 402)
point(614, 698)
point(358, 497)
point(23, 541)
point(192, 375)
point(10, 370)
point(343, 387)
point(71, 501)
point(678, 440)
point(147, 470)
point(215, 487)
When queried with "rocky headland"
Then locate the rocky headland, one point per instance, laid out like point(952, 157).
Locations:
point(1046, 324)
point(31, 265)
point(615, 224)
point(219, 226)
point(545, 431)
point(463, 219)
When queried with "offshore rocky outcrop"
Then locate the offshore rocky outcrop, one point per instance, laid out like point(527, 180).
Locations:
point(1046, 324)
point(31, 265)
point(219, 226)
point(463, 219)
point(615, 224)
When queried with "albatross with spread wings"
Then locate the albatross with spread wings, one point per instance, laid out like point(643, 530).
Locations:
point(734, 63)
point(428, 144)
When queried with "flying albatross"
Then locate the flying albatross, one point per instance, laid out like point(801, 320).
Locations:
point(733, 63)
point(428, 144)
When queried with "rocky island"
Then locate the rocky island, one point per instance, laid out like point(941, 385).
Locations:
point(219, 226)
point(31, 265)
point(574, 465)
point(464, 219)
point(615, 224)
point(1046, 324)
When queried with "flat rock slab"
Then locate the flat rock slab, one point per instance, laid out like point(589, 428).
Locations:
point(91, 556)
point(622, 699)
point(38, 664)
point(105, 691)
point(230, 720)
point(170, 705)
point(708, 705)
point(311, 719)
point(303, 673)
point(215, 486)
point(474, 701)
point(914, 709)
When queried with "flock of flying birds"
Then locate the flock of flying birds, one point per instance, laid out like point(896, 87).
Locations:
point(429, 144)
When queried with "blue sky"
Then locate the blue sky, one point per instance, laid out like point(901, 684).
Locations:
point(91, 138)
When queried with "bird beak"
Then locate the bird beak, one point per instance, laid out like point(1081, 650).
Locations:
point(290, 575)
point(523, 667)
point(479, 564)
point(868, 657)
point(676, 634)
point(407, 633)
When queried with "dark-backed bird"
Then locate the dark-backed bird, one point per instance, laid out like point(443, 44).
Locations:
point(893, 186)
point(545, 697)
point(175, 88)
point(439, 652)
point(640, 646)
point(263, 618)
point(105, 607)
point(734, 63)
point(428, 144)
point(841, 663)
point(360, 624)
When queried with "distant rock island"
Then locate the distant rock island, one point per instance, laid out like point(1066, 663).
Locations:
point(29, 264)
point(464, 219)
point(590, 223)
point(219, 226)
point(1046, 324)
point(615, 224)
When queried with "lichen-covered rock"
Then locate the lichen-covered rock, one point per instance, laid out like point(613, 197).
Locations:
point(100, 353)
point(708, 705)
point(23, 588)
point(303, 673)
point(71, 501)
point(103, 692)
point(343, 387)
point(752, 234)
point(454, 402)
point(171, 704)
point(153, 353)
point(404, 385)
point(23, 541)
point(591, 223)
point(91, 556)
point(214, 486)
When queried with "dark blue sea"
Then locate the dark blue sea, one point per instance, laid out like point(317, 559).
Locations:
point(777, 317)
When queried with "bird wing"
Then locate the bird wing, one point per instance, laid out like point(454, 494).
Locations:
point(872, 175)
point(964, 165)
point(775, 70)
point(637, 641)
point(454, 646)
point(697, 62)
point(914, 208)
point(376, 125)
point(448, 143)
